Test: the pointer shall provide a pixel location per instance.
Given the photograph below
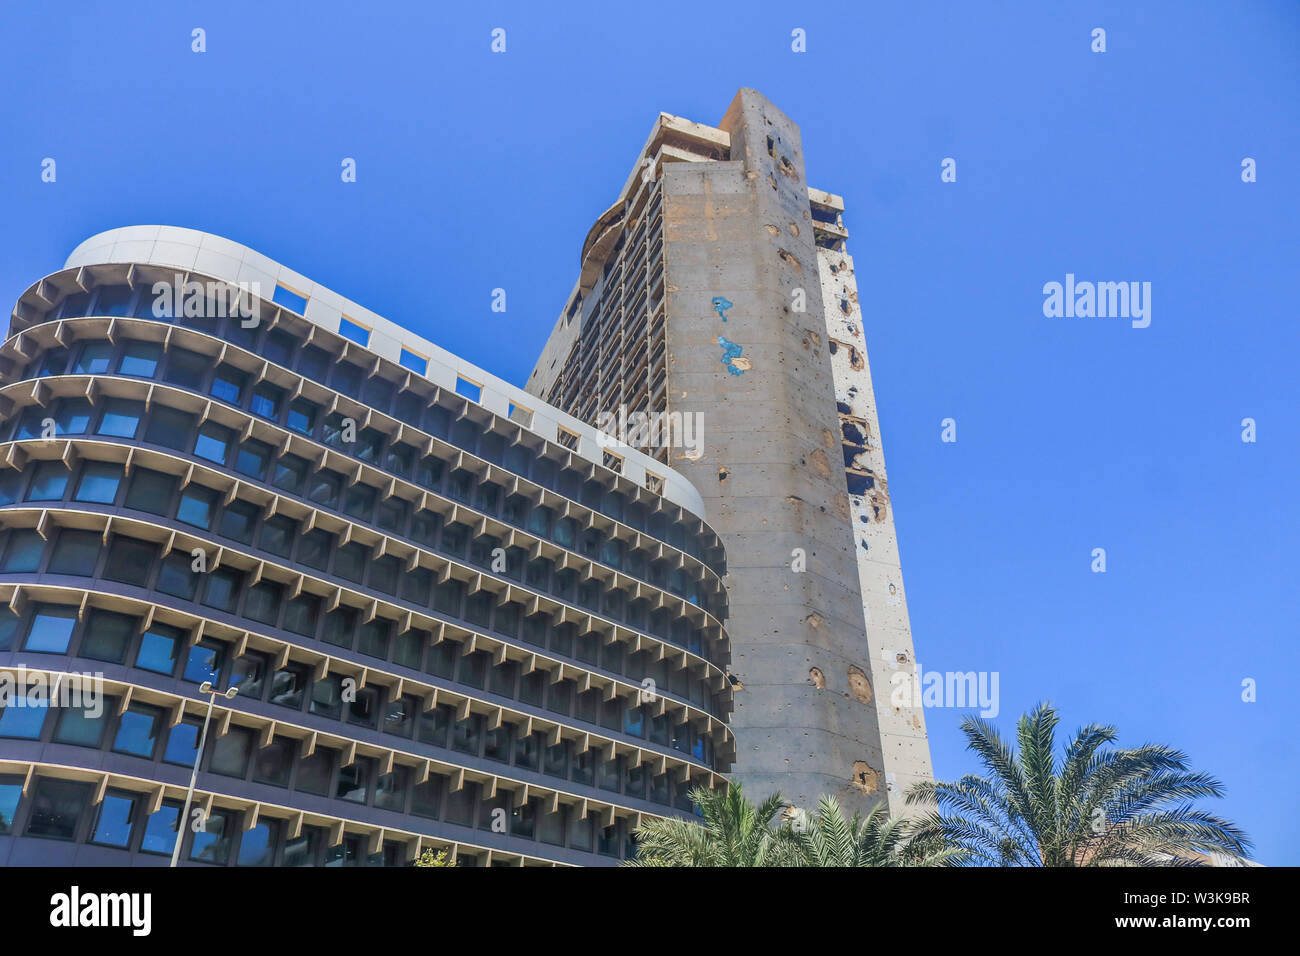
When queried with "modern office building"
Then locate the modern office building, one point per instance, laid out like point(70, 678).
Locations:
point(716, 297)
point(450, 623)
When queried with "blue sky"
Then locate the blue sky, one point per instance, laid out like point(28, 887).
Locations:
point(478, 171)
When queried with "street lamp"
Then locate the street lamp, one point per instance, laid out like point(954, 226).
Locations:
point(204, 688)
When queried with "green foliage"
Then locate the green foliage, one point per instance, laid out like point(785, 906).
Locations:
point(1097, 806)
point(734, 832)
point(431, 857)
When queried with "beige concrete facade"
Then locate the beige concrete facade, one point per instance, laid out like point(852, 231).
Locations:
point(718, 289)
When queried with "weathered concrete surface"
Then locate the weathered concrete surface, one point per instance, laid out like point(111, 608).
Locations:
point(815, 648)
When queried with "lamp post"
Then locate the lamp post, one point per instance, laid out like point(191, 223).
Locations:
point(204, 688)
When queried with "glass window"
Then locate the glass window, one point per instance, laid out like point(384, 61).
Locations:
point(390, 789)
point(252, 459)
point(213, 442)
point(354, 331)
point(204, 663)
point(277, 536)
point(197, 506)
point(324, 488)
point(267, 401)
point(137, 732)
point(24, 551)
point(301, 614)
point(272, 763)
point(8, 628)
point(140, 358)
point(374, 639)
point(158, 648)
point(304, 849)
point(186, 368)
point(99, 481)
point(11, 792)
point(327, 698)
point(93, 359)
point(238, 520)
point(49, 481)
point(121, 418)
point(212, 843)
point(263, 602)
point(302, 416)
point(160, 829)
point(363, 709)
point(316, 773)
point(176, 576)
point(354, 780)
point(107, 636)
point(169, 428)
point(257, 846)
point(23, 716)
point(228, 384)
point(289, 299)
point(117, 816)
point(129, 561)
point(150, 491)
point(416, 363)
point(75, 553)
point(230, 753)
point(314, 363)
point(56, 808)
point(340, 626)
point(279, 347)
point(288, 686)
point(223, 589)
point(289, 473)
point(51, 628)
point(183, 743)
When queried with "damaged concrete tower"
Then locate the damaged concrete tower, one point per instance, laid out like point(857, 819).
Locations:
point(715, 326)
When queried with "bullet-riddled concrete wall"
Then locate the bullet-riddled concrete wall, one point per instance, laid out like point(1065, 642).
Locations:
point(771, 471)
point(884, 603)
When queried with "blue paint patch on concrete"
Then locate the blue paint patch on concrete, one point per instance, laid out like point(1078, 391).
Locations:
point(730, 350)
point(720, 306)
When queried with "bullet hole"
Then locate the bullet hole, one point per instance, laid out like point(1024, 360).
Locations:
point(858, 484)
point(828, 438)
point(786, 168)
point(901, 657)
point(817, 677)
point(859, 685)
point(771, 181)
point(795, 499)
point(843, 407)
point(865, 779)
point(820, 463)
point(723, 474)
point(794, 230)
point(815, 620)
point(845, 307)
point(855, 355)
point(862, 518)
point(864, 543)
point(772, 230)
point(790, 260)
point(854, 432)
point(816, 339)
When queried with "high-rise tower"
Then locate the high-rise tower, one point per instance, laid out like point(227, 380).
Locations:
point(717, 292)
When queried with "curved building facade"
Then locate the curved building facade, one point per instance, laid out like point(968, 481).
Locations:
point(455, 621)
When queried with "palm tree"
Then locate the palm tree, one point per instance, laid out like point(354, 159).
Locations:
point(1099, 806)
point(734, 832)
point(830, 839)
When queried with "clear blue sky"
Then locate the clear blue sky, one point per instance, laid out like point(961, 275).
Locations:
point(478, 170)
